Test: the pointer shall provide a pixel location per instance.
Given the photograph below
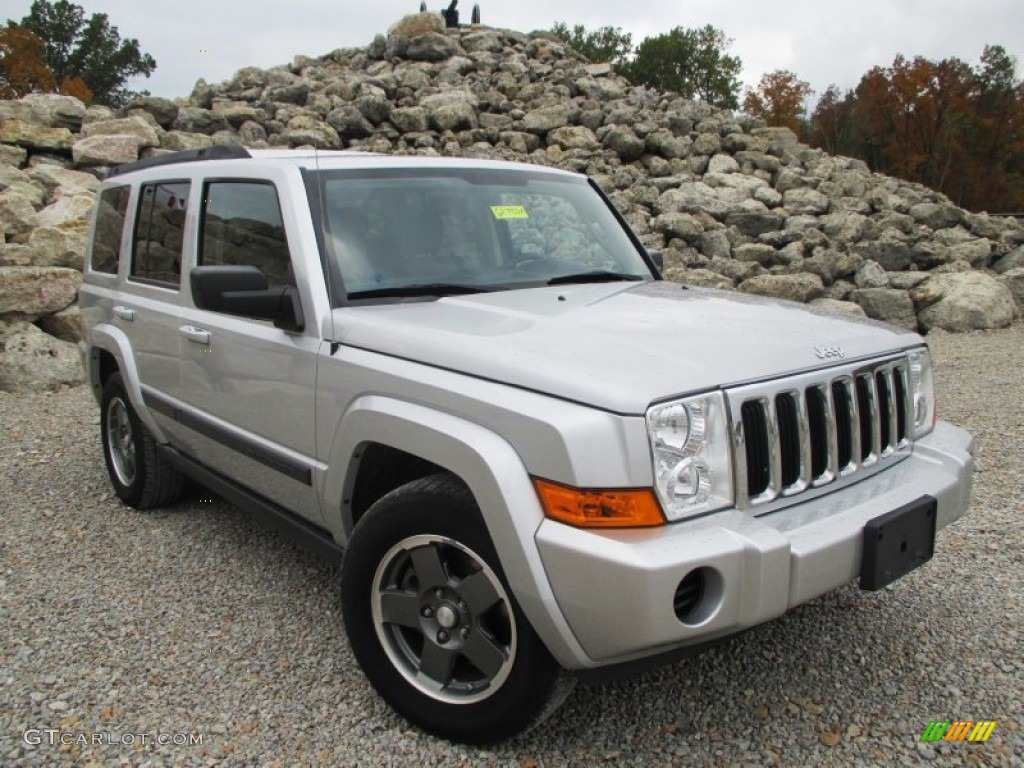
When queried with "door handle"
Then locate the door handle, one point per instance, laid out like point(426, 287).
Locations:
point(124, 313)
point(196, 334)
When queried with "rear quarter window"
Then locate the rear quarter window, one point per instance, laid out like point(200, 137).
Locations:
point(106, 244)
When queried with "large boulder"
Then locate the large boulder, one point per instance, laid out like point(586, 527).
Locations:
point(199, 120)
point(62, 246)
point(66, 211)
point(1013, 260)
point(28, 293)
point(349, 123)
point(63, 182)
point(966, 301)
point(65, 325)
point(46, 109)
point(623, 142)
point(238, 112)
point(799, 287)
point(416, 24)
point(177, 141)
point(17, 215)
point(32, 360)
point(452, 110)
point(544, 119)
point(34, 136)
point(573, 137)
point(1014, 280)
point(837, 307)
point(887, 304)
point(106, 150)
point(800, 201)
point(164, 111)
point(433, 46)
point(129, 126)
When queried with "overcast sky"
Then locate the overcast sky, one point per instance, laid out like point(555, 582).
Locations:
point(823, 41)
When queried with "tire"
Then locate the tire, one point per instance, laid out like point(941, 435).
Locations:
point(433, 624)
point(139, 474)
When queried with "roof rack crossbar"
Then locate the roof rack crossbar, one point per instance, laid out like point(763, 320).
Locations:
point(217, 152)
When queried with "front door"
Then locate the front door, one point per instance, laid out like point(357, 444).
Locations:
point(247, 387)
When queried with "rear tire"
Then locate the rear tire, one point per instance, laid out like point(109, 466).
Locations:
point(433, 624)
point(140, 475)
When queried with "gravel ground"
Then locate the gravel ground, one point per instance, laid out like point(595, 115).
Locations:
point(193, 621)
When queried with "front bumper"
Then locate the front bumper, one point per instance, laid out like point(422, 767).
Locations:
point(616, 588)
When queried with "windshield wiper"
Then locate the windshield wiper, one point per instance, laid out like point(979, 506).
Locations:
point(421, 289)
point(594, 276)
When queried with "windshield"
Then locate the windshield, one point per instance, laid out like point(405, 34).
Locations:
point(443, 231)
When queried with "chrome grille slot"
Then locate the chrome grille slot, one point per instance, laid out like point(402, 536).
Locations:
point(822, 435)
point(826, 428)
point(868, 417)
point(789, 438)
point(755, 427)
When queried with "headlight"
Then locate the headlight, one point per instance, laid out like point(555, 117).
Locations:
point(922, 391)
point(690, 448)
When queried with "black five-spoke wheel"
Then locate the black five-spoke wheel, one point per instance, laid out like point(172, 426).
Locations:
point(433, 624)
point(140, 475)
point(443, 619)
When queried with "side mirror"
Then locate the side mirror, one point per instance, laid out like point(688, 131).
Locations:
point(659, 261)
point(243, 291)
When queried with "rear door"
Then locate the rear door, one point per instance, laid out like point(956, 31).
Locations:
point(149, 307)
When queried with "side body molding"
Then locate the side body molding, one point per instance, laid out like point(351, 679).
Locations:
point(491, 469)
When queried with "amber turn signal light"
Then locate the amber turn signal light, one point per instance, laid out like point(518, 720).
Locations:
point(599, 508)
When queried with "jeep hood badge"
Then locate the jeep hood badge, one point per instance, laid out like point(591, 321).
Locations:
point(824, 353)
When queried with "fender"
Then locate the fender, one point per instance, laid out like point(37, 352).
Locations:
point(491, 469)
point(112, 339)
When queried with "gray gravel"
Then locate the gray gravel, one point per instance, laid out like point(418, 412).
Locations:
point(193, 620)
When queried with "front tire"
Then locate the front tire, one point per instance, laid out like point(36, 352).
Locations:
point(433, 624)
point(140, 475)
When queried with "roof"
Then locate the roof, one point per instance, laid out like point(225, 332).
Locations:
point(318, 159)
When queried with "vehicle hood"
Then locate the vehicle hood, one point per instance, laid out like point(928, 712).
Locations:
point(616, 346)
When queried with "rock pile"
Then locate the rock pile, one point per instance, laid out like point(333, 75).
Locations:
point(731, 203)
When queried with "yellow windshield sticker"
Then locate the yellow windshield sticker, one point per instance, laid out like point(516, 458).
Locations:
point(509, 212)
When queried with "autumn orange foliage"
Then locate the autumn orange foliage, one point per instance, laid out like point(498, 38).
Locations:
point(22, 67)
point(953, 127)
point(779, 99)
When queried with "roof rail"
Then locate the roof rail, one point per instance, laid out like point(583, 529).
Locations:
point(217, 152)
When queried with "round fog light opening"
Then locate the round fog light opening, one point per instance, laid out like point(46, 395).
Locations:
point(689, 594)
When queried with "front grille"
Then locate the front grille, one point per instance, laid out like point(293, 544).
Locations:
point(805, 432)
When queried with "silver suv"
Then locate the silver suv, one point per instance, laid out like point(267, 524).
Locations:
point(542, 462)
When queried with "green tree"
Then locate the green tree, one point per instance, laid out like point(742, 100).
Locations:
point(90, 49)
point(692, 62)
point(608, 44)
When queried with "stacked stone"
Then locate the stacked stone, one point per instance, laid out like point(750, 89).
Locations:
point(731, 203)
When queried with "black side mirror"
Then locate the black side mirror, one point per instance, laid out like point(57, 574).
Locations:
point(659, 260)
point(243, 291)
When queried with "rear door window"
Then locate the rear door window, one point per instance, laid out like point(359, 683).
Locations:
point(159, 233)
